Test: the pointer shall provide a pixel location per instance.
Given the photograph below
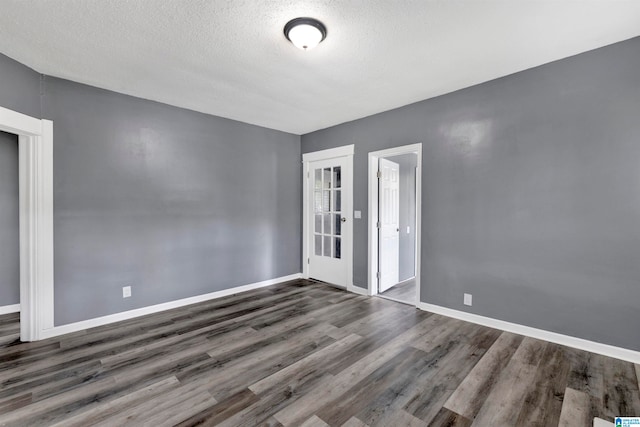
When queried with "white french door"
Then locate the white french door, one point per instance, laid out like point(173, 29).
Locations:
point(389, 217)
point(328, 219)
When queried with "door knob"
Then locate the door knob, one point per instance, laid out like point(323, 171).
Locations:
point(343, 219)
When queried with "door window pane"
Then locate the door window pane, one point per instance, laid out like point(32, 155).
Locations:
point(318, 223)
point(318, 245)
point(338, 223)
point(327, 223)
point(337, 177)
point(317, 179)
point(327, 246)
point(326, 201)
point(337, 201)
point(317, 201)
point(337, 251)
point(327, 177)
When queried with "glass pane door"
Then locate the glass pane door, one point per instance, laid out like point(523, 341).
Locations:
point(327, 221)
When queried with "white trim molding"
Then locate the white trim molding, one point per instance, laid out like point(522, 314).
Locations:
point(541, 334)
point(35, 148)
point(19, 124)
point(359, 291)
point(126, 315)
point(372, 229)
point(330, 153)
point(6, 309)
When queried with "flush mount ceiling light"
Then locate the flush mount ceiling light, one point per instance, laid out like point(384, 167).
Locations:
point(305, 33)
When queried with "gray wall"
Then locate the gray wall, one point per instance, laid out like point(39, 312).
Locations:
point(9, 221)
point(19, 87)
point(531, 193)
point(407, 198)
point(172, 202)
point(19, 91)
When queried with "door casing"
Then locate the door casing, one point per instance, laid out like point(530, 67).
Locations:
point(35, 152)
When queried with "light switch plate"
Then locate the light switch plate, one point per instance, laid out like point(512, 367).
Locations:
point(126, 291)
point(357, 214)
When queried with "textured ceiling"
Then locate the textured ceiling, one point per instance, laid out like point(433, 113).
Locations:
point(230, 58)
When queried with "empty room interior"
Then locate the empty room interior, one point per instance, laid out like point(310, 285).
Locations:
point(319, 213)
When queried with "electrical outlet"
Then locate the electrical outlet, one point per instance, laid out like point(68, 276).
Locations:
point(126, 291)
point(468, 299)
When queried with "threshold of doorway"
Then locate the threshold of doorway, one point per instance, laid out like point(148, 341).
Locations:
point(411, 303)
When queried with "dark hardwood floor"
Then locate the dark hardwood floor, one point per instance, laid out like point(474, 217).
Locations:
point(303, 353)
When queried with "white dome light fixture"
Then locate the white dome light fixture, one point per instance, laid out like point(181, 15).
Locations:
point(305, 33)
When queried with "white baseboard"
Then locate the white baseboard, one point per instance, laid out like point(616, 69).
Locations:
point(126, 315)
point(359, 291)
point(6, 309)
point(579, 343)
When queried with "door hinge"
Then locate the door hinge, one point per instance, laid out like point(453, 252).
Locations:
point(308, 260)
point(378, 224)
point(378, 275)
point(308, 174)
point(379, 174)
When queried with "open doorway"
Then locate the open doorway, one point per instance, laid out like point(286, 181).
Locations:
point(394, 223)
point(9, 224)
point(397, 217)
point(35, 177)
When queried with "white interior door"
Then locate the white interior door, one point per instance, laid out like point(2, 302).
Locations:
point(389, 217)
point(329, 220)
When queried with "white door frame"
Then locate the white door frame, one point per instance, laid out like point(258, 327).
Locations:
point(347, 178)
point(374, 158)
point(35, 166)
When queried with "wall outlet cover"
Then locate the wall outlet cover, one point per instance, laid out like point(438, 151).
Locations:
point(126, 291)
point(357, 214)
point(468, 299)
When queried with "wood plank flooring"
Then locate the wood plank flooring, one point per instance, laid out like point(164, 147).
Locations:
point(303, 353)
